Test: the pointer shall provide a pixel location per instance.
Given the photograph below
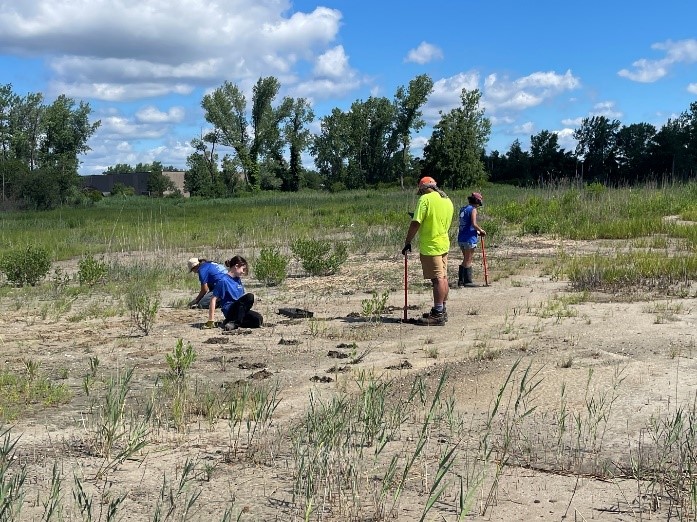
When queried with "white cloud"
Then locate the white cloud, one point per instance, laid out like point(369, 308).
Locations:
point(332, 64)
point(152, 114)
point(648, 71)
point(424, 53)
point(692, 88)
point(572, 122)
point(332, 77)
point(566, 139)
point(446, 94)
point(606, 109)
point(526, 128)
point(132, 49)
point(527, 91)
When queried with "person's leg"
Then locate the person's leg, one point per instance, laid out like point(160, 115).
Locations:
point(239, 309)
point(206, 301)
point(440, 292)
point(461, 267)
point(467, 255)
point(435, 269)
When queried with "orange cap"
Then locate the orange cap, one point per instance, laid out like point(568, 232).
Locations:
point(427, 179)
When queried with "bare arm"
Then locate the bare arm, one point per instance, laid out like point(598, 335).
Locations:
point(211, 308)
point(413, 229)
point(479, 229)
point(201, 293)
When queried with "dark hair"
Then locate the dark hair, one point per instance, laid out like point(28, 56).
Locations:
point(235, 260)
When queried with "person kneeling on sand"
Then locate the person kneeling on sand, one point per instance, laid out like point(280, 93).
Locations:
point(235, 303)
point(208, 274)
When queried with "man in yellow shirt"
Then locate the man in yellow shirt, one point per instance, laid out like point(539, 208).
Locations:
point(432, 219)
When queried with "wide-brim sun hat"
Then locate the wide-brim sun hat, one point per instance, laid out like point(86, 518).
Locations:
point(192, 263)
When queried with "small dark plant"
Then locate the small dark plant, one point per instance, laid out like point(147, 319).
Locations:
point(25, 266)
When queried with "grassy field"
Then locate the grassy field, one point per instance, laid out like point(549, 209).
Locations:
point(118, 224)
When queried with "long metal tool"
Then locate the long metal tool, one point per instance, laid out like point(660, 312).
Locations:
point(486, 270)
point(405, 288)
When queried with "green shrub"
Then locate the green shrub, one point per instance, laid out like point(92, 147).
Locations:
point(143, 304)
point(91, 271)
point(271, 268)
point(180, 360)
point(25, 266)
point(316, 256)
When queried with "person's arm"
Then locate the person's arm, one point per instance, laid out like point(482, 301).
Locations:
point(201, 293)
point(211, 308)
point(479, 229)
point(411, 233)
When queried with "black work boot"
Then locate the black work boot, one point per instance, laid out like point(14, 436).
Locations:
point(434, 312)
point(468, 277)
point(434, 318)
point(460, 276)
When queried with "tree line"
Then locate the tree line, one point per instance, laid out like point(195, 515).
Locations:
point(259, 146)
point(39, 147)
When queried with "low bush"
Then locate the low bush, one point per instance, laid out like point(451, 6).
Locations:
point(25, 266)
point(91, 271)
point(317, 256)
point(143, 304)
point(271, 267)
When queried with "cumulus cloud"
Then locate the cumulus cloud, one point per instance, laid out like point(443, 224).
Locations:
point(525, 129)
point(446, 94)
point(503, 99)
point(130, 50)
point(332, 64)
point(606, 109)
point(501, 93)
point(692, 88)
point(424, 53)
point(572, 122)
point(152, 114)
point(648, 71)
point(566, 139)
point(332, 77)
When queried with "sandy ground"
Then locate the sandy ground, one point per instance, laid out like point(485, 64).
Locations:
point(637, 352)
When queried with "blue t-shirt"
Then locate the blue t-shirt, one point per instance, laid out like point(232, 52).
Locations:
point(466, 233)
point(210, 272)
point(228, 289)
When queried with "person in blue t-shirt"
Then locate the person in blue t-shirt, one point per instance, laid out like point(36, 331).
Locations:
point(208, 274)
point(235, 303)
point(467, 235)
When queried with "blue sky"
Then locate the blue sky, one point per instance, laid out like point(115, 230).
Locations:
point(144, 65)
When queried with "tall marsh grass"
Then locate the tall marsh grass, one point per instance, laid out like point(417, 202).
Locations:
point(372, 220)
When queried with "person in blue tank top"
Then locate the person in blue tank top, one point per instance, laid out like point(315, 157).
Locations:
point(468, 233)
point(235, 303)
point(208, 274)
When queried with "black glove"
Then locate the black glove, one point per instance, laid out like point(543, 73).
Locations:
point(406, 249)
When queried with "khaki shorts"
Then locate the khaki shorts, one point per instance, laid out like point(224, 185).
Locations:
point(435, 267)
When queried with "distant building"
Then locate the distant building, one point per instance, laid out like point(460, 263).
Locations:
point(104, 183)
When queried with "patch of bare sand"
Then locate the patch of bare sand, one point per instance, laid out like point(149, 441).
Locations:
point(585, 348)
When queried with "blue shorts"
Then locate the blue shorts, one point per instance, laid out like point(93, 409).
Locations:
point(468, 245)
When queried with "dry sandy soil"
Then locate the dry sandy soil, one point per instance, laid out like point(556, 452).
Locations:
point(646, 342)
